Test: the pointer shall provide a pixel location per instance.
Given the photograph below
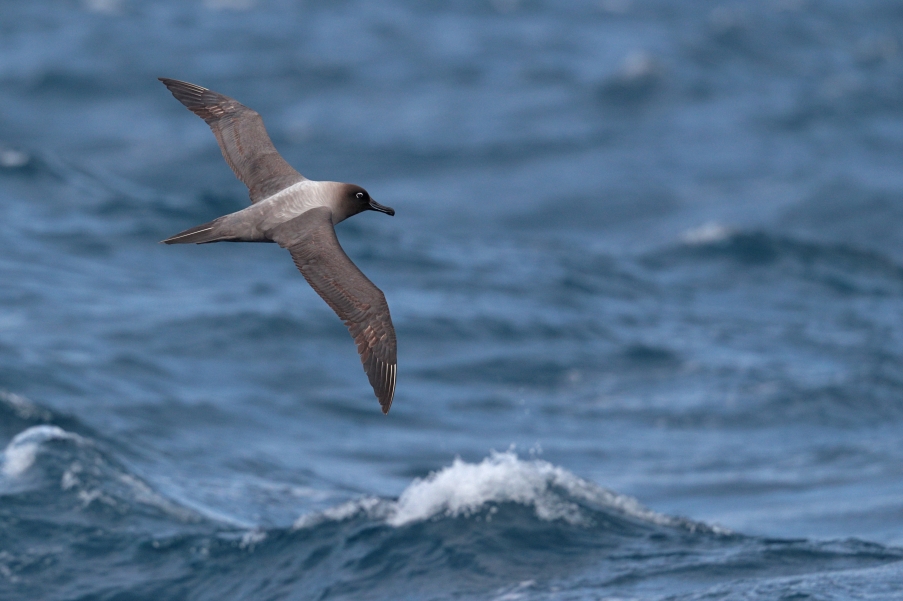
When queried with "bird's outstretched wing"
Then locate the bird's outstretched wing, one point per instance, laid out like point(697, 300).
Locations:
point(311, 239)
point(242, 137)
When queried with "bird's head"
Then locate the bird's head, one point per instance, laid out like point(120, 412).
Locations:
point(354, 200)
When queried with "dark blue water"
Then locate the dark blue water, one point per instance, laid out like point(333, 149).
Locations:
point(647, 263)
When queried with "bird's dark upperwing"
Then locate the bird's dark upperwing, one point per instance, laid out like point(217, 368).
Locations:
point(311, 239)
point(242, 137)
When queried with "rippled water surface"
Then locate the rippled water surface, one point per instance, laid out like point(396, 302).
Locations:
point(646, 273)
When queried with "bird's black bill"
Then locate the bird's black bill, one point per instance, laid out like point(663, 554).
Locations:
point(375, 206)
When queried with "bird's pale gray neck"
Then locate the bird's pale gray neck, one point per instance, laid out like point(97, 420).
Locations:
point(300, 198)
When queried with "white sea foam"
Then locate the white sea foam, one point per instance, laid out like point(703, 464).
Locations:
point(22, 407)
point(251, 538)
point(706, 233)
point(463, 489)
point(21, 451)
point(87, 474)
point(13, 159)
point(370, 506)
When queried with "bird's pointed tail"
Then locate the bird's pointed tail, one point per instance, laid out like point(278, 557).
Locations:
point(199, 234)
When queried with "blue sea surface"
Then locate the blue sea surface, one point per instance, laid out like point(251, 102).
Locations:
point(646, 273)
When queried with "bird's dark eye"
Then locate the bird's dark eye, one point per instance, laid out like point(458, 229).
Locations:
point(360, 195)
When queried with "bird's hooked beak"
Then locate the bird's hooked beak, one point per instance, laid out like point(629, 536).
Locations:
point(375, 206)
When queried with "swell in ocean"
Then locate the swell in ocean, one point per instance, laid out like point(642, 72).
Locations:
point(78, 523)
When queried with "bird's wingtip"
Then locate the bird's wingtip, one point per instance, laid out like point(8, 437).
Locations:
point(385, 404)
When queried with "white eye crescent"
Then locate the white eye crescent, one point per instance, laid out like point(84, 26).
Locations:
point(359, 196)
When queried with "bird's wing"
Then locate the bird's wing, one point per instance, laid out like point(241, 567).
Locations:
point(242, 137)
point(311, 239)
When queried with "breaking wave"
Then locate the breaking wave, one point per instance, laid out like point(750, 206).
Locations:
point(519, 527)
point(479, 489)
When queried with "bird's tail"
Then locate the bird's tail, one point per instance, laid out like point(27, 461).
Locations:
point(199, 234)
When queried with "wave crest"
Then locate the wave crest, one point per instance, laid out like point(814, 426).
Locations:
point(465, 489)
point(22, 450)
point(67, 472)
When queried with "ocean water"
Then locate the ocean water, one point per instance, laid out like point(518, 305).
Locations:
point(646, 273)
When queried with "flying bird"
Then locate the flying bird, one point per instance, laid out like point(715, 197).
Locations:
point(299, 215)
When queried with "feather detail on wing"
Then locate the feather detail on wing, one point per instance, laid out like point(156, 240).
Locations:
point(315, 249)
point(242, 137)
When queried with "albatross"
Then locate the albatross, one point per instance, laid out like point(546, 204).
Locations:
point(299, 215)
